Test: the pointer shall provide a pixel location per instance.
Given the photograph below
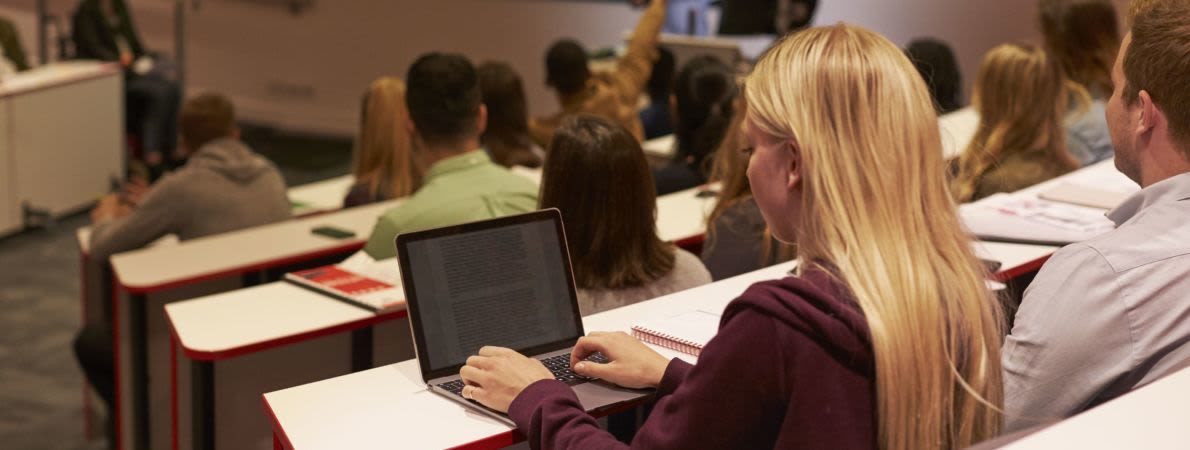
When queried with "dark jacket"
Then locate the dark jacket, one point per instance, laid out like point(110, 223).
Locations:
point(95, 37)
point(736, 244)
point(11, 40)
point(791, 367)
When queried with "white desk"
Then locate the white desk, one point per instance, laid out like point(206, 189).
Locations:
point(958, 129)
point(152, 269)
point(366, 410)
point(320, 196)
point(61, 138)
point(1154, 417)
point(682, 215)
point(392, 400)
point(198, 266)
point(989, 222)
point(219, 328)
point(661, 148)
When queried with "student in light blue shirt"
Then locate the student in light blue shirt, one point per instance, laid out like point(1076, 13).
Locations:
point(1112, 314)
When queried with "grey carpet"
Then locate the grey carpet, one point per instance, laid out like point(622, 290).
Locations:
point(41, 387)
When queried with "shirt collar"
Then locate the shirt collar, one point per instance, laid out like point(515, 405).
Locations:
point(460, 162)
point(1171, 189)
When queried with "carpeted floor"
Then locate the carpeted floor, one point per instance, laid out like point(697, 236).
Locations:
point(41, 387)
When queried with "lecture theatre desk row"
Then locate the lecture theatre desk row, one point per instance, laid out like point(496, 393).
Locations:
point(227, 328)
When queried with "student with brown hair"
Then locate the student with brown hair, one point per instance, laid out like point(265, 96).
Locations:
point(1108, 315)
point(506, 137)
point(1083, 36)
point(597, 175)
point(738, 241)
point(703, 99)
point(1021, 96)
point(886, 337)
point(382, 161)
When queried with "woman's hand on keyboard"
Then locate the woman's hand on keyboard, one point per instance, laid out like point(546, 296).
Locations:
point(631, 363)
point(497, 375)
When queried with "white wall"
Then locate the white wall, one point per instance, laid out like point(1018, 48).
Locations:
point(972, 27)
point(308, 71)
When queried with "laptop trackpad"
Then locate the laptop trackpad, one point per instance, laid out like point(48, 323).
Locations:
point(600, 394)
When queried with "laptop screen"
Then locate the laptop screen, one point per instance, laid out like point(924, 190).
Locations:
point(504, 282)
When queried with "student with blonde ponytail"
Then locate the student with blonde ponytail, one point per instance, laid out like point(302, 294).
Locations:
point(1020, 96)
point(886, 337)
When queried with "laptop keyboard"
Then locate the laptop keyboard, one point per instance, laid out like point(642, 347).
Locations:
point(558, 365)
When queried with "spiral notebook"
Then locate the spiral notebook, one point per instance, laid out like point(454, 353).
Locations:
point(688, 332)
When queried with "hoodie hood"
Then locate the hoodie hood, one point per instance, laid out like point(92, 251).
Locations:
point(817, 305)
point(231, 159)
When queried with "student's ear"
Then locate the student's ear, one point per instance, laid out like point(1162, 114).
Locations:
point(481, 120)
point(795, 167)
point(1150, 116)
point(673, 107)
point(235, 133)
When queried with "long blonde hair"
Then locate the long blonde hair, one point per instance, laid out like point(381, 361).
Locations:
point(876, 213)
point(1020, 95)
point(383, 156)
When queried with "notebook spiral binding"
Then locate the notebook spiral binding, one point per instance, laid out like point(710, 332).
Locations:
point(663, 340)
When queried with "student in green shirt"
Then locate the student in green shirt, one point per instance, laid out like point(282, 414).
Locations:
point(461, 184)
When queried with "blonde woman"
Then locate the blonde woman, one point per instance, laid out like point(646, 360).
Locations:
point(383, 163)
point(885, 338)
point(738, 241)
point(1020, 96)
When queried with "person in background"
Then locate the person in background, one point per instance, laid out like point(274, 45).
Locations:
point(738, 241)
point(1020, 95)
point(779, 17)
point(936, 62)
point(12, 60)
point(612, 95)
point(703, 98)
point(597, 176)
point(461, 183)
point(687, 17)
point(506, 137)
point(1083, 36)
point(103, 30)
point(382, 162)
point(851, 351)
point(1106, 316)
point(223, 187)
point(656, 117)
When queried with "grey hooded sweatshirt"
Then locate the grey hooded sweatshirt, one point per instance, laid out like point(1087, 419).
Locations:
point(223, 187)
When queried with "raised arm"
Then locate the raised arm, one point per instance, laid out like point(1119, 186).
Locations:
point(635, 68)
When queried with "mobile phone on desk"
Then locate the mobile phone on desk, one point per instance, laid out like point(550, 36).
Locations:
point(333, 232)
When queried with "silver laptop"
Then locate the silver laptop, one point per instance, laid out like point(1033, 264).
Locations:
point(504, 282)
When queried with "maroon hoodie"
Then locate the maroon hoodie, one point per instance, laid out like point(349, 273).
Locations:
point(791, 367)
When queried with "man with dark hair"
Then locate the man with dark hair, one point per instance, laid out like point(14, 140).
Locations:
point(224, 186)
point(1108, 315)
point(613, 95)
point(462, 184)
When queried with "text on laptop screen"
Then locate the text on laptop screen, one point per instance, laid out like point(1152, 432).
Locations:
point(504, 287)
